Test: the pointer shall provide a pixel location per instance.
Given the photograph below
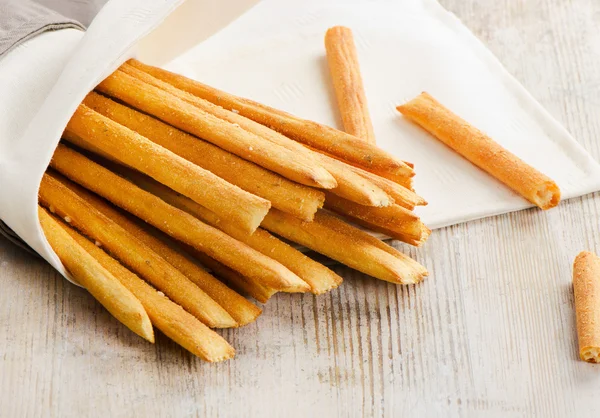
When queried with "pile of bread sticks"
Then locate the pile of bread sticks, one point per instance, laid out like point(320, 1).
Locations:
point(170, 200)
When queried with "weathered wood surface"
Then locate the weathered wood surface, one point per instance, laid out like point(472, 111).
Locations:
point(490, 333)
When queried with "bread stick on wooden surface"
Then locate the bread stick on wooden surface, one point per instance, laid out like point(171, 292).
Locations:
point(347, 83)
point(226, 135)
point(586, 286)
point(167, 316)
point(482, 150)
point(320, 278)
point(107, 289)
point(324, 138)
point(336, 239)
point(293, 198)
point(175, 222)
point(232, 203)
point(57, 197)
point(237, 306)
point(349, 185)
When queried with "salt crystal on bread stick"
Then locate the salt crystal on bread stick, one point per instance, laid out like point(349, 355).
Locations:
point(402, 223)
point(174, 321)
point(336, 239)
point(237, 306)
point(232, 203)
point(54, 192)
point(175, 222)
point(482, 150)
point(586, 286)
point(336, 143)
point(226, 135)
point(349, 185)
point(293, 198)
point(347, 83)
point(97, 280)
point(320, 278)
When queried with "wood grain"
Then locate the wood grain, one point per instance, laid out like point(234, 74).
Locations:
point(490, 333)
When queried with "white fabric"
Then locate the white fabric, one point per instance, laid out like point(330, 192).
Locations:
point(275, 54)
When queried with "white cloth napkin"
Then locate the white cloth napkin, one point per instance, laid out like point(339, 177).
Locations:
point(275, 54)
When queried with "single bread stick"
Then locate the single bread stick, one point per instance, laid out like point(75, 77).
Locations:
point(226, 135)
point(175, 222)
point(320, 278)
point(481, 150)
point(293, 198)
point(237, 306)
point(336, 239)
point(586, 286)
point(349, 185)
point(232, 203)
point(57, 197)
point(347, 83)
point(167, 316)
point(336, 143)
point(107, 290)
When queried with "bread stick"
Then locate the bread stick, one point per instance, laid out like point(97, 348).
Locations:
point(347, 83)
point(320, 278)
point(334, 238)
point(167, 316)
point(400, 222)
point(226, 135)
point(56, 196)
point(232, 203)
point(237, 306)
point(293, 198)
point(586, 286)
point(349, 185)
point(338, 144)
point(482, 150)
point(175, 222)
point(107, 290)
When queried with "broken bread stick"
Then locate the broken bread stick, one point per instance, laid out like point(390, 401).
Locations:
point(347, 83)
point(337, 240)
point(293, 198)
point(336, 143)
point(175, 222)
point(101, 284)
point(586, 286)
point(320, 278)
point(174, 321)
point(401, 223)
point(481, 150)
point(226, 135)
point(349, 185)
point(57, 197)
point(232, 203)
point(237, 306)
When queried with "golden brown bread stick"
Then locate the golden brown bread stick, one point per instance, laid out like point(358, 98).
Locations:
point(402, 223)
point(237, 306)
point(293, 198)
point(175, 222)
point(586, 286)
point(167, 316)
point(320, 278)
point(232, 203)
point(56, 196)
point(107, 290)
point(226, 135)
point(349, 185)
point(481, 150)
point(347, 83)
point(328, 140)
point(336, 239)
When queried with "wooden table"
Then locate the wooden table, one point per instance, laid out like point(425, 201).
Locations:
point(490, 333)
